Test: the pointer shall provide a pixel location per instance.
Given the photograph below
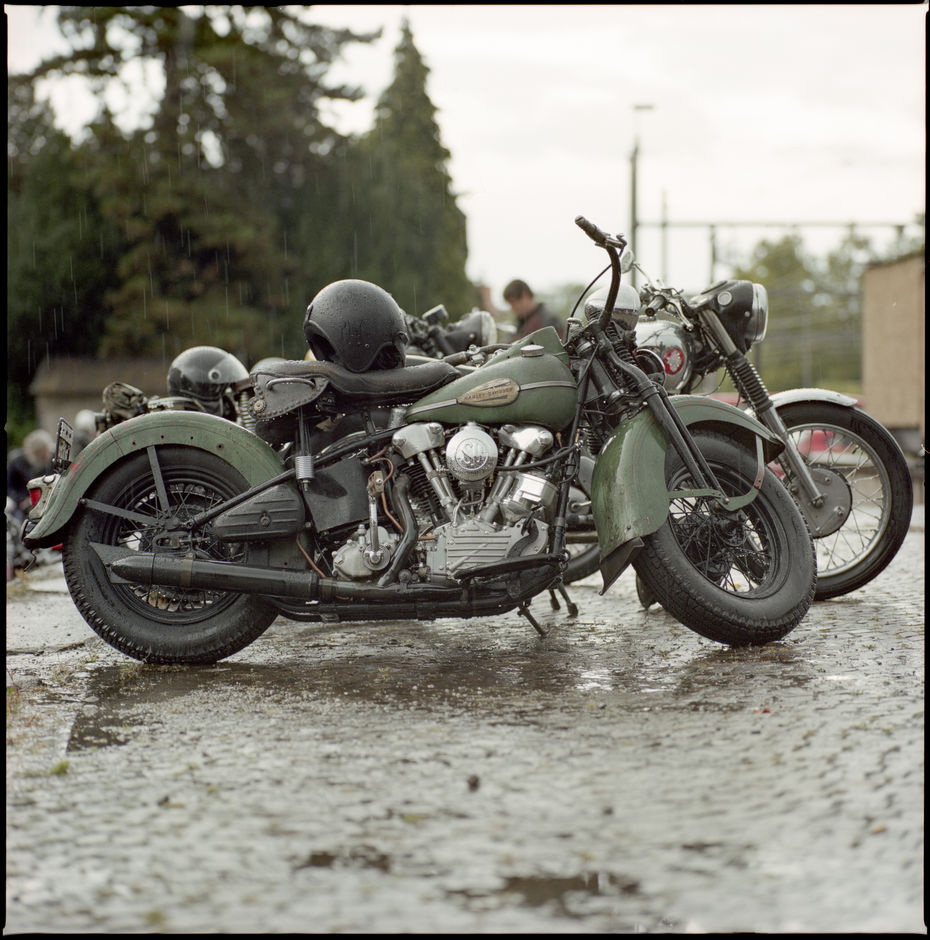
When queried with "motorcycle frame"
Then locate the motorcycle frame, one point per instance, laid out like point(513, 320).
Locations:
point(643, 509)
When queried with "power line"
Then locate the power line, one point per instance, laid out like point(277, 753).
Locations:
point(693, 223)
point(712, 226)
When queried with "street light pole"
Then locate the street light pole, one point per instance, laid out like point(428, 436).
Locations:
point(634, 159)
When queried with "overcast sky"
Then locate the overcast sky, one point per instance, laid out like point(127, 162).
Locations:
point(766, 113)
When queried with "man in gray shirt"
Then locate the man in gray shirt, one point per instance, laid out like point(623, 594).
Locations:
point(530, 314)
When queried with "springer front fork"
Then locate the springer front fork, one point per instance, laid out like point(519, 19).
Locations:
point(822, 494)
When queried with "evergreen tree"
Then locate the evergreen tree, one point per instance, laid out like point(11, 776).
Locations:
point(408, 232)
point(61, 251)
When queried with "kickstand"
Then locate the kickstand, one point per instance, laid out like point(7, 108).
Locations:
point(524, 609)
point(569, 603)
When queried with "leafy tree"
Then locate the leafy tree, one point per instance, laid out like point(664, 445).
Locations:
point(815, 312)
point(204, 198)
point(408, 232)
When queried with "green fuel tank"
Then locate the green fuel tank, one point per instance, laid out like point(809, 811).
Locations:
point(529, 382)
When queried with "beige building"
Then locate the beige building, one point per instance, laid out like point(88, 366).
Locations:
point(893, 317)
point(63, 387)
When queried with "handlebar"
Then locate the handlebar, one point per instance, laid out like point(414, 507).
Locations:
point(613, 245)
point(598, 236)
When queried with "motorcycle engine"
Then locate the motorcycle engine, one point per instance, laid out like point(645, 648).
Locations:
point(473, 504)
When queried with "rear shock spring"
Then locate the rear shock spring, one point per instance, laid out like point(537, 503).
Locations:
point(245, 415)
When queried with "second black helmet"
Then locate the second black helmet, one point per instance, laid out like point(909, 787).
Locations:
point(357, 325)
point(205, 373)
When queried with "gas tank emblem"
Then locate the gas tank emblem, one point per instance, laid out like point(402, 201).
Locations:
point(491, 394)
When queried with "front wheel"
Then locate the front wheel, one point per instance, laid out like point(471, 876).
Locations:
point(851, 445)
point(740, 578)
point(151, 495)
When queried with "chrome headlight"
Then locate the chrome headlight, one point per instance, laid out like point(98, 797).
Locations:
point(758, 322)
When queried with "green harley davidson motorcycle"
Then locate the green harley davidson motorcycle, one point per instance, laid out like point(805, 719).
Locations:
point(186, 535)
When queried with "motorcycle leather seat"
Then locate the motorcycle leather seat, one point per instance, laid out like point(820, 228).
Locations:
point(382, 387)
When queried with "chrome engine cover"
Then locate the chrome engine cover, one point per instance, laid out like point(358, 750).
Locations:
point(471, 454)
point(528, 492)
point(353, 561)
point(470, 543)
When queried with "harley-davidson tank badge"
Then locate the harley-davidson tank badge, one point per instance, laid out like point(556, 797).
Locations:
point(490, 394)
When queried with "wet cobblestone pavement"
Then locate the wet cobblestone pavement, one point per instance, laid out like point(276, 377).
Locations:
point(621, 775)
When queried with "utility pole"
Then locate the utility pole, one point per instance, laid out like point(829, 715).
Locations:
point(634, 160)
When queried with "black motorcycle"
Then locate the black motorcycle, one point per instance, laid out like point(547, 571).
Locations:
point(185, 535)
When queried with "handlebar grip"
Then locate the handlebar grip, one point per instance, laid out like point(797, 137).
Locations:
point(591, 230)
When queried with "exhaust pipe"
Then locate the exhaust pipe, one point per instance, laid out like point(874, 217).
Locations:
point(204, 574)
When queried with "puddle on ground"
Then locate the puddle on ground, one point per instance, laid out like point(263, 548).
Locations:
point(362, 856)
point(571, 897)
point(122, 699)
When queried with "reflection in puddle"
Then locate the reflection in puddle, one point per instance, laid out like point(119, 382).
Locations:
point(421, 671)
point(594, 679)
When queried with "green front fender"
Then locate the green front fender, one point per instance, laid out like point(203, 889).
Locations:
point(249, 454)
point(629, 498)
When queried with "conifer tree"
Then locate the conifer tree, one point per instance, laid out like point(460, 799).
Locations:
point(408, 233)
point(61, 250)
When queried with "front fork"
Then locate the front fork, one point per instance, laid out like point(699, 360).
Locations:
point(657, 400)
point(822, 494)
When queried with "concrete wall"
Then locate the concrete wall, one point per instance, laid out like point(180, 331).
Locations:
point(893, 317)
point(62, 387)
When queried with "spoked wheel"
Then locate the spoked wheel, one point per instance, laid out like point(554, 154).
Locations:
point(741, 577)
point(150, 496)
point(856, 452)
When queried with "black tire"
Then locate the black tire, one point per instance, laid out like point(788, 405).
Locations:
point(584, 560)
point(850, 442)
point(164, 625)
point(646, 597)
point(739, 578)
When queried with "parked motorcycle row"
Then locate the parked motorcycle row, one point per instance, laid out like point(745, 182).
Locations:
point(413, 468)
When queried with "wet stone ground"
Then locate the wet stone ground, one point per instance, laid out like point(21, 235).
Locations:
point(620, 775)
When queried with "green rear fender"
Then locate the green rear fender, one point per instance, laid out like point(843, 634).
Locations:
point(249, 454)
point(628, 494)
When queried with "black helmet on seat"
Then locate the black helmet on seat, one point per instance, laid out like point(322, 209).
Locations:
point(357, 325)
point(205, 374)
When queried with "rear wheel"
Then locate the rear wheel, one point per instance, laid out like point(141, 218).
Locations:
point(743, 577)
point(879, 497)
point(151, 623)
